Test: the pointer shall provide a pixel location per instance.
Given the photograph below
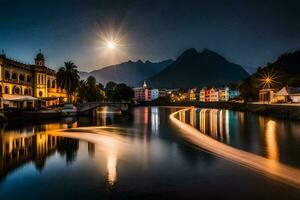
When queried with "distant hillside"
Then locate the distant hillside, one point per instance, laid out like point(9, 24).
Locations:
point(284, 71)
point(131, 73)
point(194, 69)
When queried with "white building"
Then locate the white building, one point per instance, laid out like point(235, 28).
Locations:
point(224, 94)
point(154, 94)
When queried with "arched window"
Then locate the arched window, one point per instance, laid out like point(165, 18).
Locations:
point(26, 92)
point(16, 90)
point(14, 76)
point(48, 83)
point(40, 93)
point(22, 77)
point(28, 79)
point(6, 90)
point(53, 84)
point(7, 75)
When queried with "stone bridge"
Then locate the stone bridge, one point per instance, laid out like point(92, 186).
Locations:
point(86, 107)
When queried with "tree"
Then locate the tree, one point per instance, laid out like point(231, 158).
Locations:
point(90, 91)
point(123, 93)
point(68, 78)
point(109, 89)
point(82, 91)
point(249, 90)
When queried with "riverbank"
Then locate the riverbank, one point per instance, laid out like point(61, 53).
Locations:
point(285, 111)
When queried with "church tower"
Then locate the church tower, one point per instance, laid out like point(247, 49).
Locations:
point(39, 59)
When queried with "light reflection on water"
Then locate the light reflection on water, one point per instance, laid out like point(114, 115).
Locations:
point(278, 140)
point(141, 154)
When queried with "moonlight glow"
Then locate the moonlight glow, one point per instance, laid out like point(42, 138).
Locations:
point(111, 45)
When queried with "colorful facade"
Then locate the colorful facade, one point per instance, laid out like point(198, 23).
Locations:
point(214, 94)
point(19, 80)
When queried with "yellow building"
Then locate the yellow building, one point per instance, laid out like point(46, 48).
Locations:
point(19, 81)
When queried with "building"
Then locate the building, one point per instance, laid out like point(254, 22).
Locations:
point(142, 93)
point(224, 94)
point(287, 94)
point(266, 95)
point(214, 94)
point(20, 81)
point(202, 95)
point(192, 94)
point(233, 94)
point(154, 94)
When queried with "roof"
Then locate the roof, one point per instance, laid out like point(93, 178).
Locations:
point(293, 90)
point(40, 56)
point(285, 91)
point(22, 98)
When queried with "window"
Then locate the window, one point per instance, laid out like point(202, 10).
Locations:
point(7, 75)
point(53, 84)
point(14, 76)
point(16, 90)
point(28, 79)
point(6, 90)
point(48, 83)
point(22, 77)
point(26, 92)
point(40, 93)
point(29, 91)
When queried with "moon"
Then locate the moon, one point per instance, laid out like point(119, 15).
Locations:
point(111, 45)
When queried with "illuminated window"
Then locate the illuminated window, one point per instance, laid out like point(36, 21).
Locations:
point(6, 90)
point(16, 90)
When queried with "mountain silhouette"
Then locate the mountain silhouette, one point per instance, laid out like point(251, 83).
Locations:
point(198, 69)
point(130, 73)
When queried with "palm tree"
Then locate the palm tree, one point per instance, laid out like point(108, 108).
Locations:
point(68, 78)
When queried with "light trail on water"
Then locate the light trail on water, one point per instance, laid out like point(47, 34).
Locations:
point(268, 167)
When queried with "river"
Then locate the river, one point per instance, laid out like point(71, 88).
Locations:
point(143, 156)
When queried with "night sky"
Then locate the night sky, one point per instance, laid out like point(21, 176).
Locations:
point(250, 33)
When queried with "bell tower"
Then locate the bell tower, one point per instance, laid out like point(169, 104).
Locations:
point(39, 59)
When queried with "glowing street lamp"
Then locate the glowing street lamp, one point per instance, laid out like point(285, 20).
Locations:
point(268, 79)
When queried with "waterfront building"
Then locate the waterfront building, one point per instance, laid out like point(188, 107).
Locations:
point(233, 94)
point(154, 94)
point(215, 94)
point(142, 93)
point(19, 81)
point(202, 95)
point(192, 94)
point(287, 94)
point(224, 94)
point(266, 95)
point(212, 95)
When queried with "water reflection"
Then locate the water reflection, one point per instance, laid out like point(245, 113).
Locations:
point(19, 149)
point(142, 158)
point(275, 139)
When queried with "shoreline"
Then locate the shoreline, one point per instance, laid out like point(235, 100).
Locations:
point(289, 112)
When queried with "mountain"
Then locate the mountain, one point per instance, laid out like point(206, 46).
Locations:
point(131, 73)
point(198, 69)
point(284, 71)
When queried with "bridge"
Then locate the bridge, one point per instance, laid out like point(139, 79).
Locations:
point(86, 107)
